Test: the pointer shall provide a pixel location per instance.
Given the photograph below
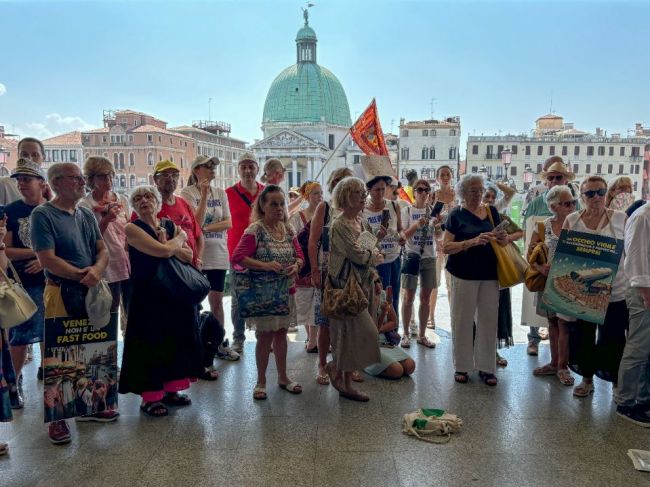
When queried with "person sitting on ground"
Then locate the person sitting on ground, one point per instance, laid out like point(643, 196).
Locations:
point(395, 362)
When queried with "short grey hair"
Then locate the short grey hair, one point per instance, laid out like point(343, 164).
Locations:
point(553, 195)
point(342, 191)
point(465, 182)
point(57, 170)
point(142, 190)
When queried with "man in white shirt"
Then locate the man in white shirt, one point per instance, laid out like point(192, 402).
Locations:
point(633, 394)
point(28, 148)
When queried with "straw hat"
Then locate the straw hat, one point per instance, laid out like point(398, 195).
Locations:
point(556, 164)
point(376, 168)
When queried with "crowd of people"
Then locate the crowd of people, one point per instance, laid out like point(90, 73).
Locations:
point(336, 262)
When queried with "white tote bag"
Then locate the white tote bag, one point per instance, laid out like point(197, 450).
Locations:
point(16, 306)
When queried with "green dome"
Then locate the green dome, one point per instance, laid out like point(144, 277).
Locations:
point(306, 33)
point(307, 92)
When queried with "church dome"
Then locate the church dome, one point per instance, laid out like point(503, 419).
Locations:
point(306, 92)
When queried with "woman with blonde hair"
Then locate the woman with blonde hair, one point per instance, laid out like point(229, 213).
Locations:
point(318, 249)
point(619, 194)
point(112, 213)
point(353, 337)
point(312, 193)
point(270, 245)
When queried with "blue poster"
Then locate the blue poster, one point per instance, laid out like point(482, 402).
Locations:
point(581, 276)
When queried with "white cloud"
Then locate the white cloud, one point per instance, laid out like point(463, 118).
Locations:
point(3, 89)
point(53, 124)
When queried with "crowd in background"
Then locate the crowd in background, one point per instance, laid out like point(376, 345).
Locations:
point(346, 264)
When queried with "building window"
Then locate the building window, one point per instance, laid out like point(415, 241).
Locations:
point(514, 149)
point(575, 169)
point(452, 132)
point(527, 151)
point(171, 158)
point(425, 153)
point(620, 168)
point(622, 151)
point(432, 153)
point(150, 138)
point(635, 186)
point(474, 169)
point(404, 133)
point(55, 155)
point(132, 181)
point(564, 150)
point(425, 133)
point(588, 169)
point(121, 161)
point(590, 150)
point(513, 170)
point(499, 151)
point(47, 155)
point(73, 155)
point(160, 139)
point(540, 150)
point(115, 161)
point(499, 172)
point(636, 151)
point(131, 159)
point(475, 149)
point(122, 181)
point(182, 162)
point(171, 141)
point(405, 153)
point(452, 153)
point(432, 132)
point(489, 153)
point(551, 150)
point(104, 139)
point(636, 169)
point(159, 157)
point(130, 138)
point(149, 159)
point(576, 150)
point(611, 151)
point(356, 159)
point(601, 150)
point(330, 141)
point(610, 168)
point(599, 169)
point(539, 168)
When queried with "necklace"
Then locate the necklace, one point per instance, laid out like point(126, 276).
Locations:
point(272, 233)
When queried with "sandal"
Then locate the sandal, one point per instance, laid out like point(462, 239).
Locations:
point(323, 379)
point(405, 342)
point(313, 349)
point(431, 325)
point(565, 377)
point(154, 409)
point(424, 341)
point(209, 375)
point(331, 373)
point(583, 389)
point(356, 377)
point(501, 362)
point(259, 393)
point(4, 449)
point(547, 369)
point(461, 377)
point(488, 379)
point(292, 387)
point(176, 399)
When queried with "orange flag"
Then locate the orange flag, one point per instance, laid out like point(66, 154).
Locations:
point(367, 134)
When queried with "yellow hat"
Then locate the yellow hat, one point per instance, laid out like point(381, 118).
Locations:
point(164, 166)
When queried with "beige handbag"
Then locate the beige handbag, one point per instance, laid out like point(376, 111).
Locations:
point(346, 302)
point(16, 306)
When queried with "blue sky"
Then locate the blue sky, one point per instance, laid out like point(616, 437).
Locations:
point(496, 64)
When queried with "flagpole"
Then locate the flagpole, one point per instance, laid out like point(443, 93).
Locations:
point(332, 154)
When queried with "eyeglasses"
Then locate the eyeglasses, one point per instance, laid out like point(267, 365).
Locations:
point(140, 197)
point(423, 190)
point(559, 177)
point(593, 192)
point(208, 165)
point(567, 204)
point(76, 179)
point(168, 175)
point(105, 177)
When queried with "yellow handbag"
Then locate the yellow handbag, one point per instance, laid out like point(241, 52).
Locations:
point(511, 266)
point(535, 280)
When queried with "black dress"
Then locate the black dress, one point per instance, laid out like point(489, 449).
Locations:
point(162, 341)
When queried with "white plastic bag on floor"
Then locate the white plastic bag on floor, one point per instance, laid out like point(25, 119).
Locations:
point(640, 459)
point(431, 425)
point(98, 305)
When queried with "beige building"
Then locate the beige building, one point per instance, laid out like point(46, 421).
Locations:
point(63, 148)
point(8, 152)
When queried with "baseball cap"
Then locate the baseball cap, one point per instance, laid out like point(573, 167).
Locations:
point(163, 166)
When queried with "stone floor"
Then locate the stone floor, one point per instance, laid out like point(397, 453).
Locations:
point(525, 432)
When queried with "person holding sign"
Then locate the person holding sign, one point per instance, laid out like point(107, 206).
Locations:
point(69, 246)
point(598, 348)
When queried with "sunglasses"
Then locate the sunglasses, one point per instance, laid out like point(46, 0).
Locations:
point(423, 190)
point(567, 204)
point(593, 192)
point(559, 177)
